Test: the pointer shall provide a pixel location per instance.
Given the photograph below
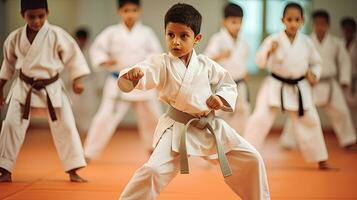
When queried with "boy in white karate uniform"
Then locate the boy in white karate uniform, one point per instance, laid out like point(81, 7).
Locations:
point(231, 51)
point(328, 93)
point(348, 26)
point(40, 51)
point(194, 87)
point(294, 64)
point(117, 47)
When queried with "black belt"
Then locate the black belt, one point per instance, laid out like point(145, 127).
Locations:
point(38, 85)
point(290, 82)
point(239, 81)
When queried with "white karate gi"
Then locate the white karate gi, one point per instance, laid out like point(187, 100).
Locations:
point(352, 96)
point(236, 65)
point(86, 104)
point(328, 93)
point(51, 51)
point(352, 50)
point(127, 48)
point(291, 60)
point(187, 89)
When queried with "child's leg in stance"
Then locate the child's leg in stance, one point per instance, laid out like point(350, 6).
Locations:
point(155, 174)
point(11, 139)
point(103, 126)
point(147, 113)
point(308, 133)
point(67, 141)
point(262, 119)
point(287, 137)
point(249, 179)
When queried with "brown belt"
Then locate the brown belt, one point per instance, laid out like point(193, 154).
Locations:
point(200, 123)
point(38, 85)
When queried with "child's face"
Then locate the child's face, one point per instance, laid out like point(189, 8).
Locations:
point(129, 13)
point(292, 20)
point(320, 26)
point(180, 39)
point(233, 25)
point(35, 18)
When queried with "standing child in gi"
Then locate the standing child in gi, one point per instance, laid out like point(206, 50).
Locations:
point(194, 87)
point(294, 64)
point(231, 51)
point(117, 47)
point(328, 93)
point(348, 26)
point(39, 51)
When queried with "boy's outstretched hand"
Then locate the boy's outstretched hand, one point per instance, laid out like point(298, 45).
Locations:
point(77, 86)
point(214, 102)
point(134, 74)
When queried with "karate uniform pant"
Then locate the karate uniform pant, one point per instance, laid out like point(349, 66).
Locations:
point(64, 133)
point(307, 129)
point(238, 119)
point(110, 114)
point(340, 119)
point(249, 180)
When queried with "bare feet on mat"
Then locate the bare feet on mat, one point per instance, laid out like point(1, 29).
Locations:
point(324, 165)
point(74, 177)
point(5, 176)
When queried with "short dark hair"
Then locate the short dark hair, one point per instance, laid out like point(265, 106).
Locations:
point(321, 14)
point(122, 3)
point(232, 10)
point(33, 4)
point(82, 33)
point(348, 21)
point(293, 5)
point(184, 14)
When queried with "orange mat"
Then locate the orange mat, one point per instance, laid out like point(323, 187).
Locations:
point(38, 174)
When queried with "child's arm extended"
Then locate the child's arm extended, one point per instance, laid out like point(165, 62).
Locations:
point(8, 65)
point(314, 72)
point(266, 50)
point(224, 90)
point(72, 59)
point(144, 76)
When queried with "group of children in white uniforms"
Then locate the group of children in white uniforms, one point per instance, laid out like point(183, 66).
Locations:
point(193, 86)
point(116, 48)
point(328, 93)
point(349, 30)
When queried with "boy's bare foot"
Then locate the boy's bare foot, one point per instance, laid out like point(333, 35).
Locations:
point(323, 165)
point(5, 176)
point(74, 177)
point(351, 147)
